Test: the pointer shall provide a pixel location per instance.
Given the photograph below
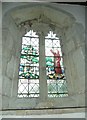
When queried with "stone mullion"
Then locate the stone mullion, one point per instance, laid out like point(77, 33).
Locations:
point(42, 68)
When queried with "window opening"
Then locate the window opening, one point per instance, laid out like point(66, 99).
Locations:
point(28, 85)
point(55, 71)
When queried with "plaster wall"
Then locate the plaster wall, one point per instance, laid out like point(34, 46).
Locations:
point(10, 58)
point(77, 11)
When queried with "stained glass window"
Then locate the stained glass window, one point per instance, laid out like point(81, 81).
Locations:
point(28, 85)
point(55, 71)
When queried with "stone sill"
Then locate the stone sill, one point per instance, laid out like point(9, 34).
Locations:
point(43, 112)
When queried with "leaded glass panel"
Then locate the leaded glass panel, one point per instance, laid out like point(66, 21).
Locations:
point(29, 66)
point(55, 71)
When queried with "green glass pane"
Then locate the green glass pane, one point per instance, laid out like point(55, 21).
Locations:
point(49, 64)
point(24, 57)
point(35, 60)
point(48, 59)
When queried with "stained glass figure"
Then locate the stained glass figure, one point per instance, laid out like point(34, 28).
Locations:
point(55, 71)
point(29, 66)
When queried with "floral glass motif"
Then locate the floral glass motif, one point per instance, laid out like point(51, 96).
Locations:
point(55, 71)
point(29, 66)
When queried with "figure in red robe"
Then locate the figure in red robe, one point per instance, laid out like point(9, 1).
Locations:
point(57, 59)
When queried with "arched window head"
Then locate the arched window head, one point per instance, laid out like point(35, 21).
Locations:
point(29, 66)
point(55, 71)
